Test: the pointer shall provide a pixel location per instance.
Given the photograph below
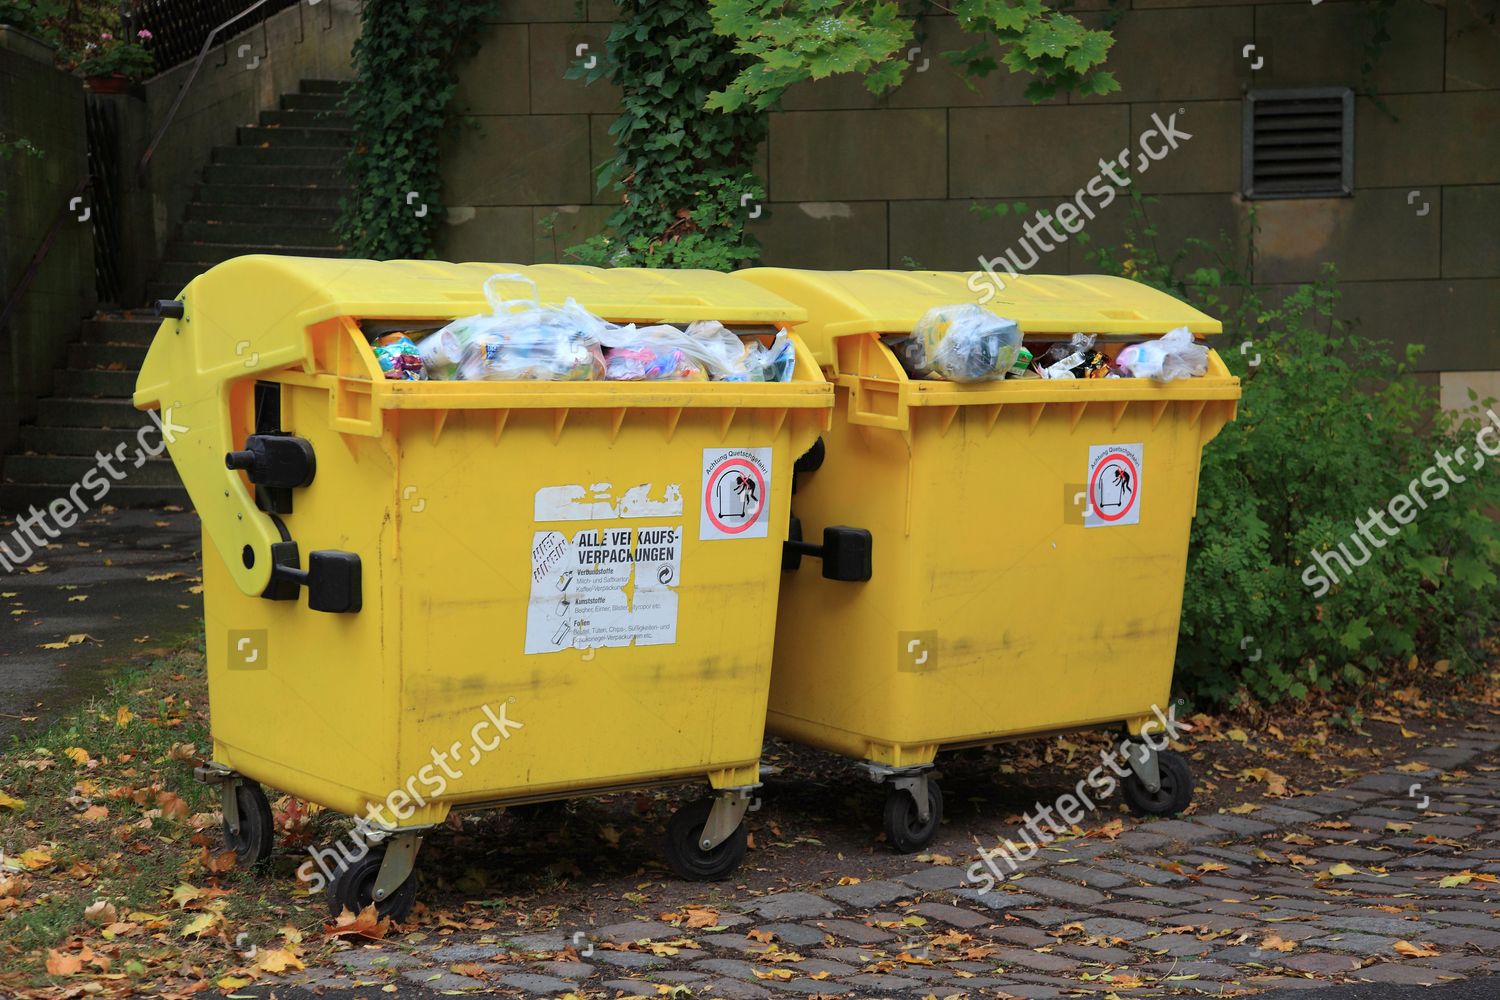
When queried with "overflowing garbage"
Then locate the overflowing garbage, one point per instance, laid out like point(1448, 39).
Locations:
point(1174, 356)
point(523, 339)
point(962, 343)
point(967, 343)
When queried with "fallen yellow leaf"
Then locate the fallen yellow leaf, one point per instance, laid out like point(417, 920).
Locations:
point(200, 925)
point(1415, 951)
point(1275, 942)
point(278, 960)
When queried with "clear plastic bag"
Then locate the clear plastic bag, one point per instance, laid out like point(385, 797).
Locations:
point(1175, 355)
point(960, 343)
point(1075, 359)
point(398, 358)
point(706, 349)
point(520, 340)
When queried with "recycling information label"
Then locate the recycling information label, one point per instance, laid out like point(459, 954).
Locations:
point(605, 586)
point(736, 493)
point(1114, 485)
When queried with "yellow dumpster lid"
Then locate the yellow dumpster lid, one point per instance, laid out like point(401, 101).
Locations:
point(316, 289)
point(841, 303)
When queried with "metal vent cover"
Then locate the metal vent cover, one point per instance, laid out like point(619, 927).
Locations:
point(1299, 143)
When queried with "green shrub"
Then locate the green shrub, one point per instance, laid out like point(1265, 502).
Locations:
point(1332, 425)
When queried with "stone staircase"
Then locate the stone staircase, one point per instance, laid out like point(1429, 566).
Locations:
point(275, 191)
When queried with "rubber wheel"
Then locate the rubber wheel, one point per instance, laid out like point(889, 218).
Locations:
point(353, 888)
point(692, 862)
point(253, 844)
point(1176, 790)
point(903, 830)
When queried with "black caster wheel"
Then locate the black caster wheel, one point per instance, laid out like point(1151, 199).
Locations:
point(688, 859)
point(353, 888)
point(903, 830)
point(257, 835)
point(1174, 795)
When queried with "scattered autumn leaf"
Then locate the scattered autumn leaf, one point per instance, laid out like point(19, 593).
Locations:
point(101, 912)
point(275, 960)
point(1414, 950)
point(366, 923)
point(201, 924)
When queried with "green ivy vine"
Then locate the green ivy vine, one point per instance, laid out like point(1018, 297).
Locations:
point(685, 173)
point(405, 63)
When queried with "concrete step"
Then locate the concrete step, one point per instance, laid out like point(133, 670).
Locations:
point(17, 498)
point(60, 411)
point(295, 215)
point(204, 255)
point(310, 102)
point(137, 329)
point(281, 156)
point(79, 440)
point(259, 234)
point(324, 86)
point(166, 289)
point(305, 118)
point(128, 356)
point(254, 135)
point(72, 468)
point(93, 382)
point(270, 195)
point(174, 275)
point(272, 176)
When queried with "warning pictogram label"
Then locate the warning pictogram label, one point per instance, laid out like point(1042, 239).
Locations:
point(1114, 485)
point(736, 493)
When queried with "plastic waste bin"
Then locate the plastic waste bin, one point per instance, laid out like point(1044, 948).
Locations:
point(517, 591)
point(1006, 599)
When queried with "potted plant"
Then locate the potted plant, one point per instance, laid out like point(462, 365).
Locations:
point(110, 65)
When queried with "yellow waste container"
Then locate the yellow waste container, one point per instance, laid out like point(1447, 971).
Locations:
point(515, 591)
point(1005, 598)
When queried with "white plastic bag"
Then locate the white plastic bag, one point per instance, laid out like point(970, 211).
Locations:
point(1173, 356)
point(960, 343)
point(520, 340)
point(651, 354)
point(706, 346)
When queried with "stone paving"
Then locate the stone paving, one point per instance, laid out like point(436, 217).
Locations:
point(1371, 883)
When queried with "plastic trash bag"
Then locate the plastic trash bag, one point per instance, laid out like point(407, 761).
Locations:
point(1173, 356)
point(398, 358)
point(706, 349)
point(1075, 359)
point(520, 340)
point(651, 354)
point(766, 364)
point(960, 343)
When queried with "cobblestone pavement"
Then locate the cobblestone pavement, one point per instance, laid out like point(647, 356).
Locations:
point(1373, 883)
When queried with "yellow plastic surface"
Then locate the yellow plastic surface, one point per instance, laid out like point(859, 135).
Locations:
point(436, 487)
point(841, 303)
point(993, 612)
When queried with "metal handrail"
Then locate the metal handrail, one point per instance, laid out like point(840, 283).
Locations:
point(42, 251)
point(182, 92)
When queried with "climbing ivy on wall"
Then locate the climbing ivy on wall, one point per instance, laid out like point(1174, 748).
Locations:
point(405, 75)
point(698, 78)
point(685, 172)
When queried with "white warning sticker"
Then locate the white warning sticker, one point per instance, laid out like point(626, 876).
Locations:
point(736, 493)
point(604, 587)
point(1114, 485)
